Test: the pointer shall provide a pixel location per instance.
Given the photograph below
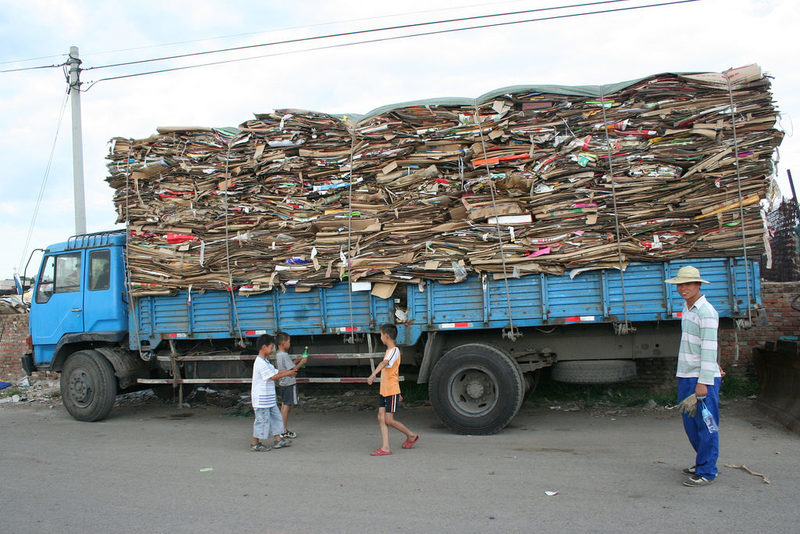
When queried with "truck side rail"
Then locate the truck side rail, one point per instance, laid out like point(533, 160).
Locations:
point(588, 297)
point(212, 314)
point(478, 302)
point(177, 380)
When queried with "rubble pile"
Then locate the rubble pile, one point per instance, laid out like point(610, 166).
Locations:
point(522, 180)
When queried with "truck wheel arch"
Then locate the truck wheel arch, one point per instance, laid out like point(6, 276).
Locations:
point(70, 343)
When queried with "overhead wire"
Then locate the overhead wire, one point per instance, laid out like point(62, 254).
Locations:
point(42, 187)
point(386, 39)
point(244, 34)
point(39, 67)
point(290, 28)
point(352, 33)
point(9, 61)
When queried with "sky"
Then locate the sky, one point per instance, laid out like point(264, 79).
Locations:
point(36, 189)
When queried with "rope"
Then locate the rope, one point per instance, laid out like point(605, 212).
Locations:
point(350, 234)
point(512, 334)
point(227, 246)
point(616, 213)
point(739, 191)
point(128, 283)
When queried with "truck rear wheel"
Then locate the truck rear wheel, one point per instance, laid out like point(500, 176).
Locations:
point(88, 386)
point(476, 389)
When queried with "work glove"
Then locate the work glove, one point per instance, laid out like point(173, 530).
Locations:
point(688, 405)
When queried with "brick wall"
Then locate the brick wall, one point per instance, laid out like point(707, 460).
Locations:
point(13, 331)
point(782, 320)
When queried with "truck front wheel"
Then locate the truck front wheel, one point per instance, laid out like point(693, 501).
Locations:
point(88, 386)
point(476, 389)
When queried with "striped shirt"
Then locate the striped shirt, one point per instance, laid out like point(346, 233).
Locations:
point(697, 357)
point(262, 390)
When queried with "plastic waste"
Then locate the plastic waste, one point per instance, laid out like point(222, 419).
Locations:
point(708, 418)
point(459, 272)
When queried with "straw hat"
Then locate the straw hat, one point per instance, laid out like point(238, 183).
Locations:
point(685, 275)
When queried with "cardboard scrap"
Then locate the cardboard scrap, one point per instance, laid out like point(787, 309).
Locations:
point(526, 182)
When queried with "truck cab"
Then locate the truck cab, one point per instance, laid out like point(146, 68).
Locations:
point(78, 302)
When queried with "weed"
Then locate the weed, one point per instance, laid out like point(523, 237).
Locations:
point(737, 386)
point(629, 395)
point(413, 392)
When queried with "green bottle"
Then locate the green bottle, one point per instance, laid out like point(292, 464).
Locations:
point(305, 356)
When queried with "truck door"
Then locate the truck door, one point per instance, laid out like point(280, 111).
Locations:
point(103, 308)
point(57, 307)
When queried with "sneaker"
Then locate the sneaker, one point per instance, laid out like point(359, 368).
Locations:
point(689, 470)
point(281, 444)
point(697, 480)
point(259, 447)
point(288, 434)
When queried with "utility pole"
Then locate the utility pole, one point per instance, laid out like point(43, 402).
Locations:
point(77, 141)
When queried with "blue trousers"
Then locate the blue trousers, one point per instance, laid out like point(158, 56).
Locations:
point(705, 443)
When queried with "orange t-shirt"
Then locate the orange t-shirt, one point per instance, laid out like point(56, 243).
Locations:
point(390, 375)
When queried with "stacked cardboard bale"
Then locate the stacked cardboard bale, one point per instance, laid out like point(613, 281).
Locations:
point(519, 181)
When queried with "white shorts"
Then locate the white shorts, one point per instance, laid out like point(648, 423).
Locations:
point(268, 422)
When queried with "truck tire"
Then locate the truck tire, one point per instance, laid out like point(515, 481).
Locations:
point(476, 389)
point(594, 371)
point(88, 386)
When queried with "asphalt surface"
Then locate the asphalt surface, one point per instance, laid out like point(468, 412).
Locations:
point(155, 468)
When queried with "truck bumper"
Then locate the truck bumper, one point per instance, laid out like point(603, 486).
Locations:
point(27, 363)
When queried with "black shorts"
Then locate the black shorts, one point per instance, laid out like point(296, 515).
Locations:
point(390, 403)
point(288, 394)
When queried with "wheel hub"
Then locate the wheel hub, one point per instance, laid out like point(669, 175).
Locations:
point(80, 387)
point(475, 389)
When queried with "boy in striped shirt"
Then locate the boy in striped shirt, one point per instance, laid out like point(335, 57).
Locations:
point(698, 373)
point(268, 419)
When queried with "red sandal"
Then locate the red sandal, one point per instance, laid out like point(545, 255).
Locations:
point(380, 452)
point(410, 442)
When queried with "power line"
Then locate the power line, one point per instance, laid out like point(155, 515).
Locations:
point(33, 68)
point(352, 33)
point(29, 59)
point(44, 182)
point(288, 28)
point(394, 38)
point(246, 34)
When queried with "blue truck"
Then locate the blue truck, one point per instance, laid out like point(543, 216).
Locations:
point(480, 344)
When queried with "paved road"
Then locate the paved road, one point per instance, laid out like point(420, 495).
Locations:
point(153, 468)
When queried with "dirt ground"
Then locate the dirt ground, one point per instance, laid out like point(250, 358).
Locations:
point(156, 467)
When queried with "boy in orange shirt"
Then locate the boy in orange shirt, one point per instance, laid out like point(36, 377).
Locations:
point(390, 392)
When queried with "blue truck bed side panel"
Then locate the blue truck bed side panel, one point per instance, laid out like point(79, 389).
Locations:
point(214, 315)
point(590, 297)
point(536, 300)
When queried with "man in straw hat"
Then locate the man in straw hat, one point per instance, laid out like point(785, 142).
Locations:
point(698, 373)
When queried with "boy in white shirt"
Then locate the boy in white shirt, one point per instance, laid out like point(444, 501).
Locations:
point(268, 419)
